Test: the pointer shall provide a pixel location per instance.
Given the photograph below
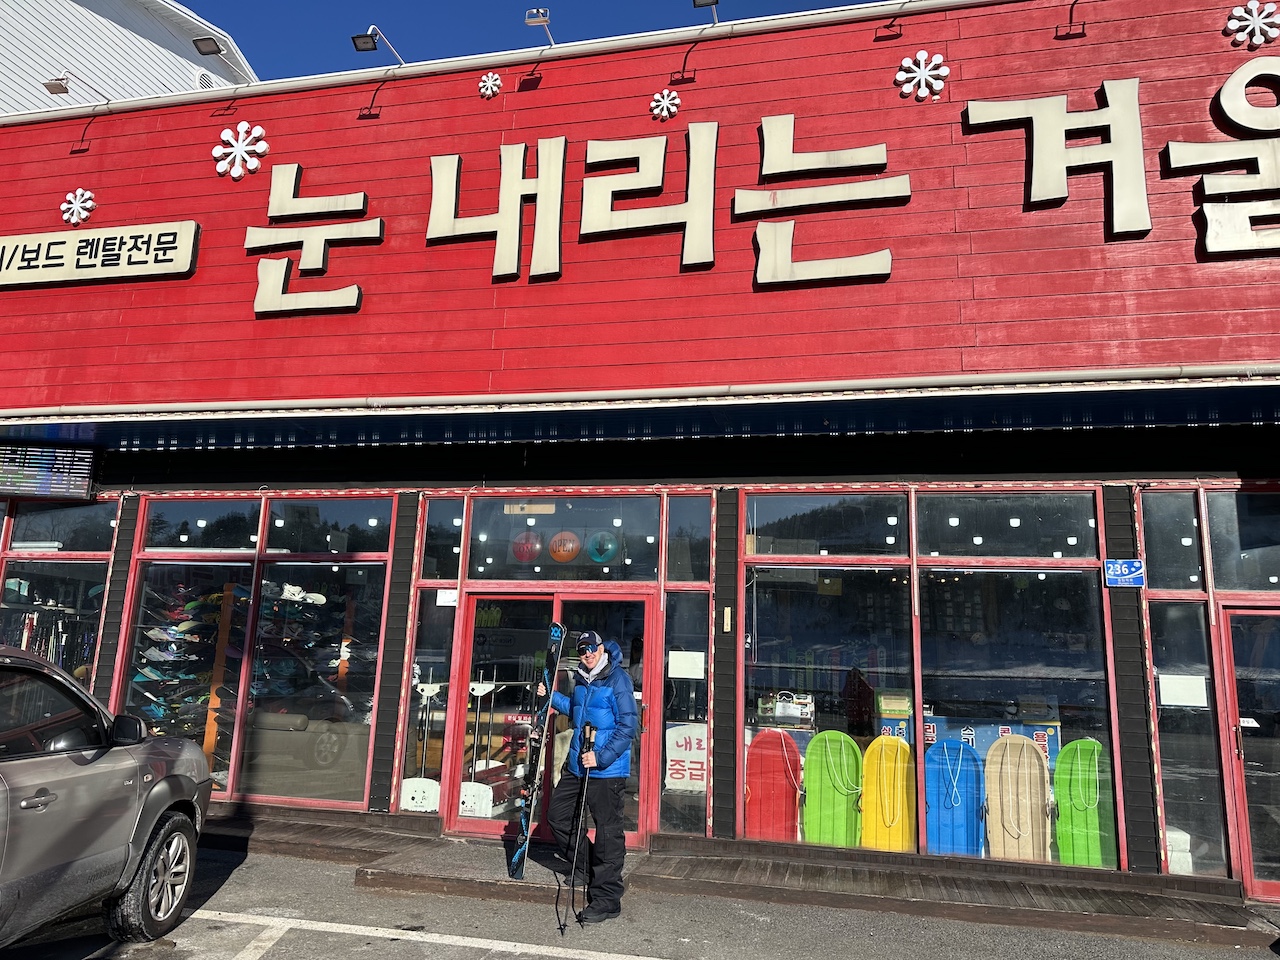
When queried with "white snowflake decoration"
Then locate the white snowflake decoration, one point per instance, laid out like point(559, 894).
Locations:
point(490, 84)
point(665, 105)
point(78, 207)
point(242, 150)
point(922, 75)
point(1255, 23)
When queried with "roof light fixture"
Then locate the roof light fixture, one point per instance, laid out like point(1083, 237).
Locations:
point(540, 17)
point(61, 84)
point(367, 42)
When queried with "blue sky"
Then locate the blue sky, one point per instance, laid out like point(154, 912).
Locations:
point(291, 38)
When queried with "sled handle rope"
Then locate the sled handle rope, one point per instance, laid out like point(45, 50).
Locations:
point(844, 782)
point(1012, 770)
point(888, 797)
point(953, 776)
point(1080, 785)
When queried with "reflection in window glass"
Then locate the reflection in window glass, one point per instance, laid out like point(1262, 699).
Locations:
point(203, 524)
point(54, 610)
point(829, 679)
point(42, 526)
point(329, 526)
point(568, 538)
point(689, 538)
point(509, 650)
point(442, 551)
point(1190, 768)
point(188, 645)
point(38, 717)
point(428, 704)
point(1015, 705)
point(1244, 530)
point(313, 677)
point(686, 748)
point(1171, 536)
point(814, 525)
point(1007, 525)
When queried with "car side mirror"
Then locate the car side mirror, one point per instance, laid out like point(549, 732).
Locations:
point(127, 730)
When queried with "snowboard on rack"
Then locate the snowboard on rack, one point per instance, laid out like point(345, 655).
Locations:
point(531, 784)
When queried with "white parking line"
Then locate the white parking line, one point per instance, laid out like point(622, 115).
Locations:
point(279, 926)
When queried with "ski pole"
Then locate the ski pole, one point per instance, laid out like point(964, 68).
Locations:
point(588, 744)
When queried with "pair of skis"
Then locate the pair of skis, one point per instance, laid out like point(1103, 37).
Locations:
point(531, 786)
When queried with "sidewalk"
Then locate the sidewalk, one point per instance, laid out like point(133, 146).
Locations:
point(407, 854)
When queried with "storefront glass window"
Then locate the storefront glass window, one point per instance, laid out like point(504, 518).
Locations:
point(1244, 530)
point(828, 669)
point(85, 527)
point(1171, 535)
point(848, 525)
point(686, 749)
point(1015, 713)
point(689, 538)
point(202, 524)
point(54, 610)
point(332, 525)
point(1018, 525)
point(188, 647)
point(567, 538)
point(1186, 719)
point(312, 681)
point(442, 550)
point(428, 705)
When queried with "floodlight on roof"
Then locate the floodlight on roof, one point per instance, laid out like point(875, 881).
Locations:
point(540, 17)
point(61, 84)
point(210, 47)
point(367, 42)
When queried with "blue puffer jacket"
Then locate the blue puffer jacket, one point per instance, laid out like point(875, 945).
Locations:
point(608, 703)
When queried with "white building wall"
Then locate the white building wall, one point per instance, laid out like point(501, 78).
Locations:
point(127, 49)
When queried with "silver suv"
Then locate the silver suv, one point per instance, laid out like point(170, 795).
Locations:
point(91, 808)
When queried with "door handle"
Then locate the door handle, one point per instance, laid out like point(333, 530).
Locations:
point(644, 713)
point(39, 801)
point(1239, 741)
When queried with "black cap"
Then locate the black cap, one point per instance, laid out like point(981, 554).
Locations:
point(589, 641)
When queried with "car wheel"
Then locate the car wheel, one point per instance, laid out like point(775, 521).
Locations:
point(152, 905)
point(325, 747)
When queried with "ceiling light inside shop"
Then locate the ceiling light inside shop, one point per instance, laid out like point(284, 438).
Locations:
point(954, 521)
point(890, 539)
point(1057, 554)
point(457, 521)
point(1015, 521)
point(977, 540)
point(1040, 576)
point(479, 569)
point(537, 569)
point(1092, 522)
point(531, 521)
point(822, 553)
point(183, 537)
point(253, 538)
point(457, 549)
point(488, 559)
point(1271, 579)
point(334, 569)
point(617, 521)
point(1187, 541)
point(1072, 541)
point(892, 521)
point(202, 523)
point(604, 569)
point(649, 539)
point(483, 537)
point(627, 561)
point(279, 522)
point(373, 521)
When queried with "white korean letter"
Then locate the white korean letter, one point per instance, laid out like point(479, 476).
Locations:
point(1229, 227)
point(273, 274)
point(1051, 158)
point(649, 154)
point(547, 189)
point(774, 261)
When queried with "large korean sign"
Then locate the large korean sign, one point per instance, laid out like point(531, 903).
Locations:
point(821, 207)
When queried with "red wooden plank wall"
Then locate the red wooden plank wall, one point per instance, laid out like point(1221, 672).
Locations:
point(979, 284)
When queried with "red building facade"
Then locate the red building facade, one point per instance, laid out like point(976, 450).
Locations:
point(893, 387)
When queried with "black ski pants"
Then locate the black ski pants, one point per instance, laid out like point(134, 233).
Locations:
point(605, 799)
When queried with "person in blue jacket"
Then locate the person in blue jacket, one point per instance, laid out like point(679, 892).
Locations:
point(602, 697)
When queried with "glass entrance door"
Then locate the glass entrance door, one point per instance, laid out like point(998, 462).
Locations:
point(1255, 650)
point(504, 661)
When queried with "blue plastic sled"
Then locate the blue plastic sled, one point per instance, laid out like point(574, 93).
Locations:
point(953, 796)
